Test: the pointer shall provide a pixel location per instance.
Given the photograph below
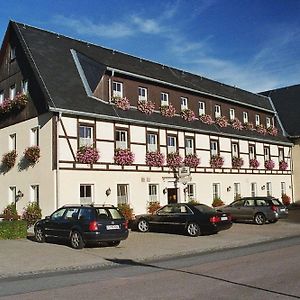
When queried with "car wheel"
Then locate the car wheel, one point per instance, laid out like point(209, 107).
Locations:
point(76, 240)
point(273, 221)
point(114, 243)
point(259, 219)
point(39, 235)
point(193, 229)
point(143, 226)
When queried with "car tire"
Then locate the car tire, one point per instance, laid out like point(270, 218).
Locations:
point(39, 235)
point(259, 219)
point(143, 225)
point(76, 240)
point(193, 229)
point(114, 243)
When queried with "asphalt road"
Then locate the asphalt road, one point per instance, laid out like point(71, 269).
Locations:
point(269, 270)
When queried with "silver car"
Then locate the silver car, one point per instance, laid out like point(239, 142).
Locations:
point(257, 209)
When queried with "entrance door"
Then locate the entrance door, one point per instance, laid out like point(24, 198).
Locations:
point(172, 195)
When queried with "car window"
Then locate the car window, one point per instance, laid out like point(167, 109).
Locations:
point(276, 202)
point(85, 213)
point(165, 210)
point(58, 214)
point(204, 208)
point(115, 214)
point(261, 202)
point(249, 202)
point(184, 209)
point(238, 203)
point(72, 213)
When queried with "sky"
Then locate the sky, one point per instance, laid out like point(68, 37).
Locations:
point(251, 44)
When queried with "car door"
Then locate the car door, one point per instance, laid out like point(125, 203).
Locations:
point(52, 224)
point(248, 210)
point(68, 221)
point(235, 209)
point(178, 216)
point(161, 220)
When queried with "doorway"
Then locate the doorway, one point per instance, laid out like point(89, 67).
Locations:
point(172, 195)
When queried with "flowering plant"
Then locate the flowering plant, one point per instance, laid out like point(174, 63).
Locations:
point(18, 103)
point(146, 107)
point(222, 121)
point(269, 164)
point(188, 115)
point(87, 155)
point(249, 126)
point(206, 119)
point(174, 160)
point(272, 130)
point(9, 159)
point(237, 162)
point(261, 129)
point(32, 154)
point(31, 214)
point(153, 207)
point(168, 110)
point(217, 202)
point(254, 163)
point(122, 103)
point(155, 159)
point(283, 165)
point(124, 157)
point(237, 124)
point(126, 211)
point(191, 160)
point(216, 161)
point(286, 200)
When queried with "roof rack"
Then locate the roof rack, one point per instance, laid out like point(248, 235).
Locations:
point(90, 204)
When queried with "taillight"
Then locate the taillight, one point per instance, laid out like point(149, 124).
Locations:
point(229, 217)
point(274, 208)
point(215, 219)
point(93, 226)
point(125, 224)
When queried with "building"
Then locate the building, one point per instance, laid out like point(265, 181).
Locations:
point(286, 102)
point(75, 94)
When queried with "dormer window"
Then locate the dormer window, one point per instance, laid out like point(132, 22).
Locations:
point(257, 120)
point(245, 117)
point(12, 53)
point(85, 135)
point(164, 99)
point(231, 114)
point(117, 89)
point(24, 86)
point(184, 103)
point(268, 122)
point(1, 97)
point(12, 92)
point(143, 94)
point(217, 111)
point(201, 108)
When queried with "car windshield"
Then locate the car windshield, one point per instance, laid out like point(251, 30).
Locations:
point(204, 208)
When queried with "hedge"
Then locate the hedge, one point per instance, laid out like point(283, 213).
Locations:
point(10, 230)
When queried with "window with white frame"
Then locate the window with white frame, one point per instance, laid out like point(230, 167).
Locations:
point(35, 193)
point(12, 53)
point(85, 135)
point(231, 114)
point(171, 144)
point(34, 136)
point(153, 193)
point(217, 111)
point(143, 94)
point(235, 149)
point(237, 190)
point(253, 189)
point(283, 188)
point(122, 193)
point(12, 194)
point(280, 154)
point(268, 122)
point(257, 120)
point(184, 103)
point(164, 99)
point(201, 108)
point(216, 190)
point(267, 153)
point(191, 191)
point(12, 142)
point(121, 139)
point(1, 97)
point(245, 117)
point(252, 151)
point(152, 142)
point(12, 92)
point(214, 149)
point(86, 193)
point(24, 86)
point(189, 146)
point(117, 89)
point(269, 188)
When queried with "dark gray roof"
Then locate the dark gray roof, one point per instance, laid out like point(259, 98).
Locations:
point(52, 60)
point(287, 104)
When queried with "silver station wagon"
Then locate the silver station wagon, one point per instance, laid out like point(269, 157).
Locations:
point(257, 209)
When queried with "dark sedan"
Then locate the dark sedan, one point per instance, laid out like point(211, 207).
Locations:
point(192, 219)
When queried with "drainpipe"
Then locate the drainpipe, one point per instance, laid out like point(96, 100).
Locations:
point(58, 118)
point(109, 86)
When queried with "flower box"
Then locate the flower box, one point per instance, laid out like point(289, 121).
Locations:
point(216, 161)
point(32, 154)
point(123, 157)
point(272, 130)
point(236, 124)
point(188, 115)
point(155, 159)
point(254, 163)
point(261, 129)
point(174, 160)
point(269, 164)
point(122, 103)
point(168, 111)
point(146, 107)
point(87, 155)
point(18, 103)
point(237, 162)
point(191, 160)
point(283, 165)
point(206, 119)
point(249, 126)
point(222, 121)
point(9, 159)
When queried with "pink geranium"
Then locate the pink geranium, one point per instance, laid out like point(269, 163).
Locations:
point(124, 157)
point(155, 159)
point(283, 165)
point(254, 163)
point(122, 103)
point(272, 130)
point(222, 121)
point(174, 160)
point(87, 155)
point(206, 119)
point(32, 154)
point(237, 124)
point(216, 161)
point(188, 115)
point(269, 164)
point(16, 104)
point(146, 107)
point(237, 162)
point(191, 160)
point(168, 110)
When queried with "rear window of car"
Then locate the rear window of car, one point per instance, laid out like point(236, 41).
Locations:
point(204, 208)
point(275, 202)
point(108, 213)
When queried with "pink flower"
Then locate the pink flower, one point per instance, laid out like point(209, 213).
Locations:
point(237, 124)
point(168, 110)
point(269, 164)
point(9, 159)
point(206, 119)
point(32, 154)
point(191, 160)
point(216, 161)
point(237, 162)
point(261, 129)
point(87, 155)
point(122, 103)
point(222, 121)
point(174, 160)
point(249, 126)
point(254, 163)
point(146, 107)
point(155, 159)
point(188, 115)
point(283, 165)
point(272, 130)
point(124, 157)
point(17, 104)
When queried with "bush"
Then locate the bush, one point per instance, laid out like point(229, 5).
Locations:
point(10, 230)
point(32, 213)
point(10, 213)
point(153, 207)
point(126, 211)
point(286, 200)
point(217, 202)
point(193, 202)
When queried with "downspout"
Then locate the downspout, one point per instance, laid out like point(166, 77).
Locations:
point(109, 86)
point(58, 118)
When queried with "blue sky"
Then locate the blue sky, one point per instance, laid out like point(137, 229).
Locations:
point(253, 44)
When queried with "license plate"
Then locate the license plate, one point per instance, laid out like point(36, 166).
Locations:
point(282, 209)
point(224, 218)
point(111, 227)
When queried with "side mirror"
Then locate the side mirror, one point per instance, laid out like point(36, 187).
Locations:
point(47, 217)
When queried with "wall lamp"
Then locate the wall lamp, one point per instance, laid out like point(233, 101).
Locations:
point(263, 187)
point(229, 189)
point(19, 195)
point(108, 192)
point(165, 190)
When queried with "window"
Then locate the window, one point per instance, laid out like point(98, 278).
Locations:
point(191, 191)
point(245, 117)
point(58, 214)
point(267, 153)
point(280, 154)
point(253, 189)
point(1, 97)
point(117, 89)
point(171, 144)
point(269, 189)
point(217, 111)
point(152, 142)
point(12, 194)
point(121, 139)
point(268, 122)
point(12, 53)
point(184, 103)
point(86, 193)
point(252, 152)
point(235, 149)
point(283, 188)
point(189, 146)
point(122, 193)
point(12, 92)
point(153, 193)
point(13, 142)
point(201, 108)
point(216, 190)
point(231, 114)
point(214, 149)
point(34, 194)
point(34, 136)
point(237, 190)
point(24, 86)
point(85, 135)
point(143, 94)
point(257, 120)
point(164, 99)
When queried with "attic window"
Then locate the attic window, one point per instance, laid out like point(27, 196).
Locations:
point(12, 53)
point(117, 89)
point(1, 97)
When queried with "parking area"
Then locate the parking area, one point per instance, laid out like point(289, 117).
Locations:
point(28, 257)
